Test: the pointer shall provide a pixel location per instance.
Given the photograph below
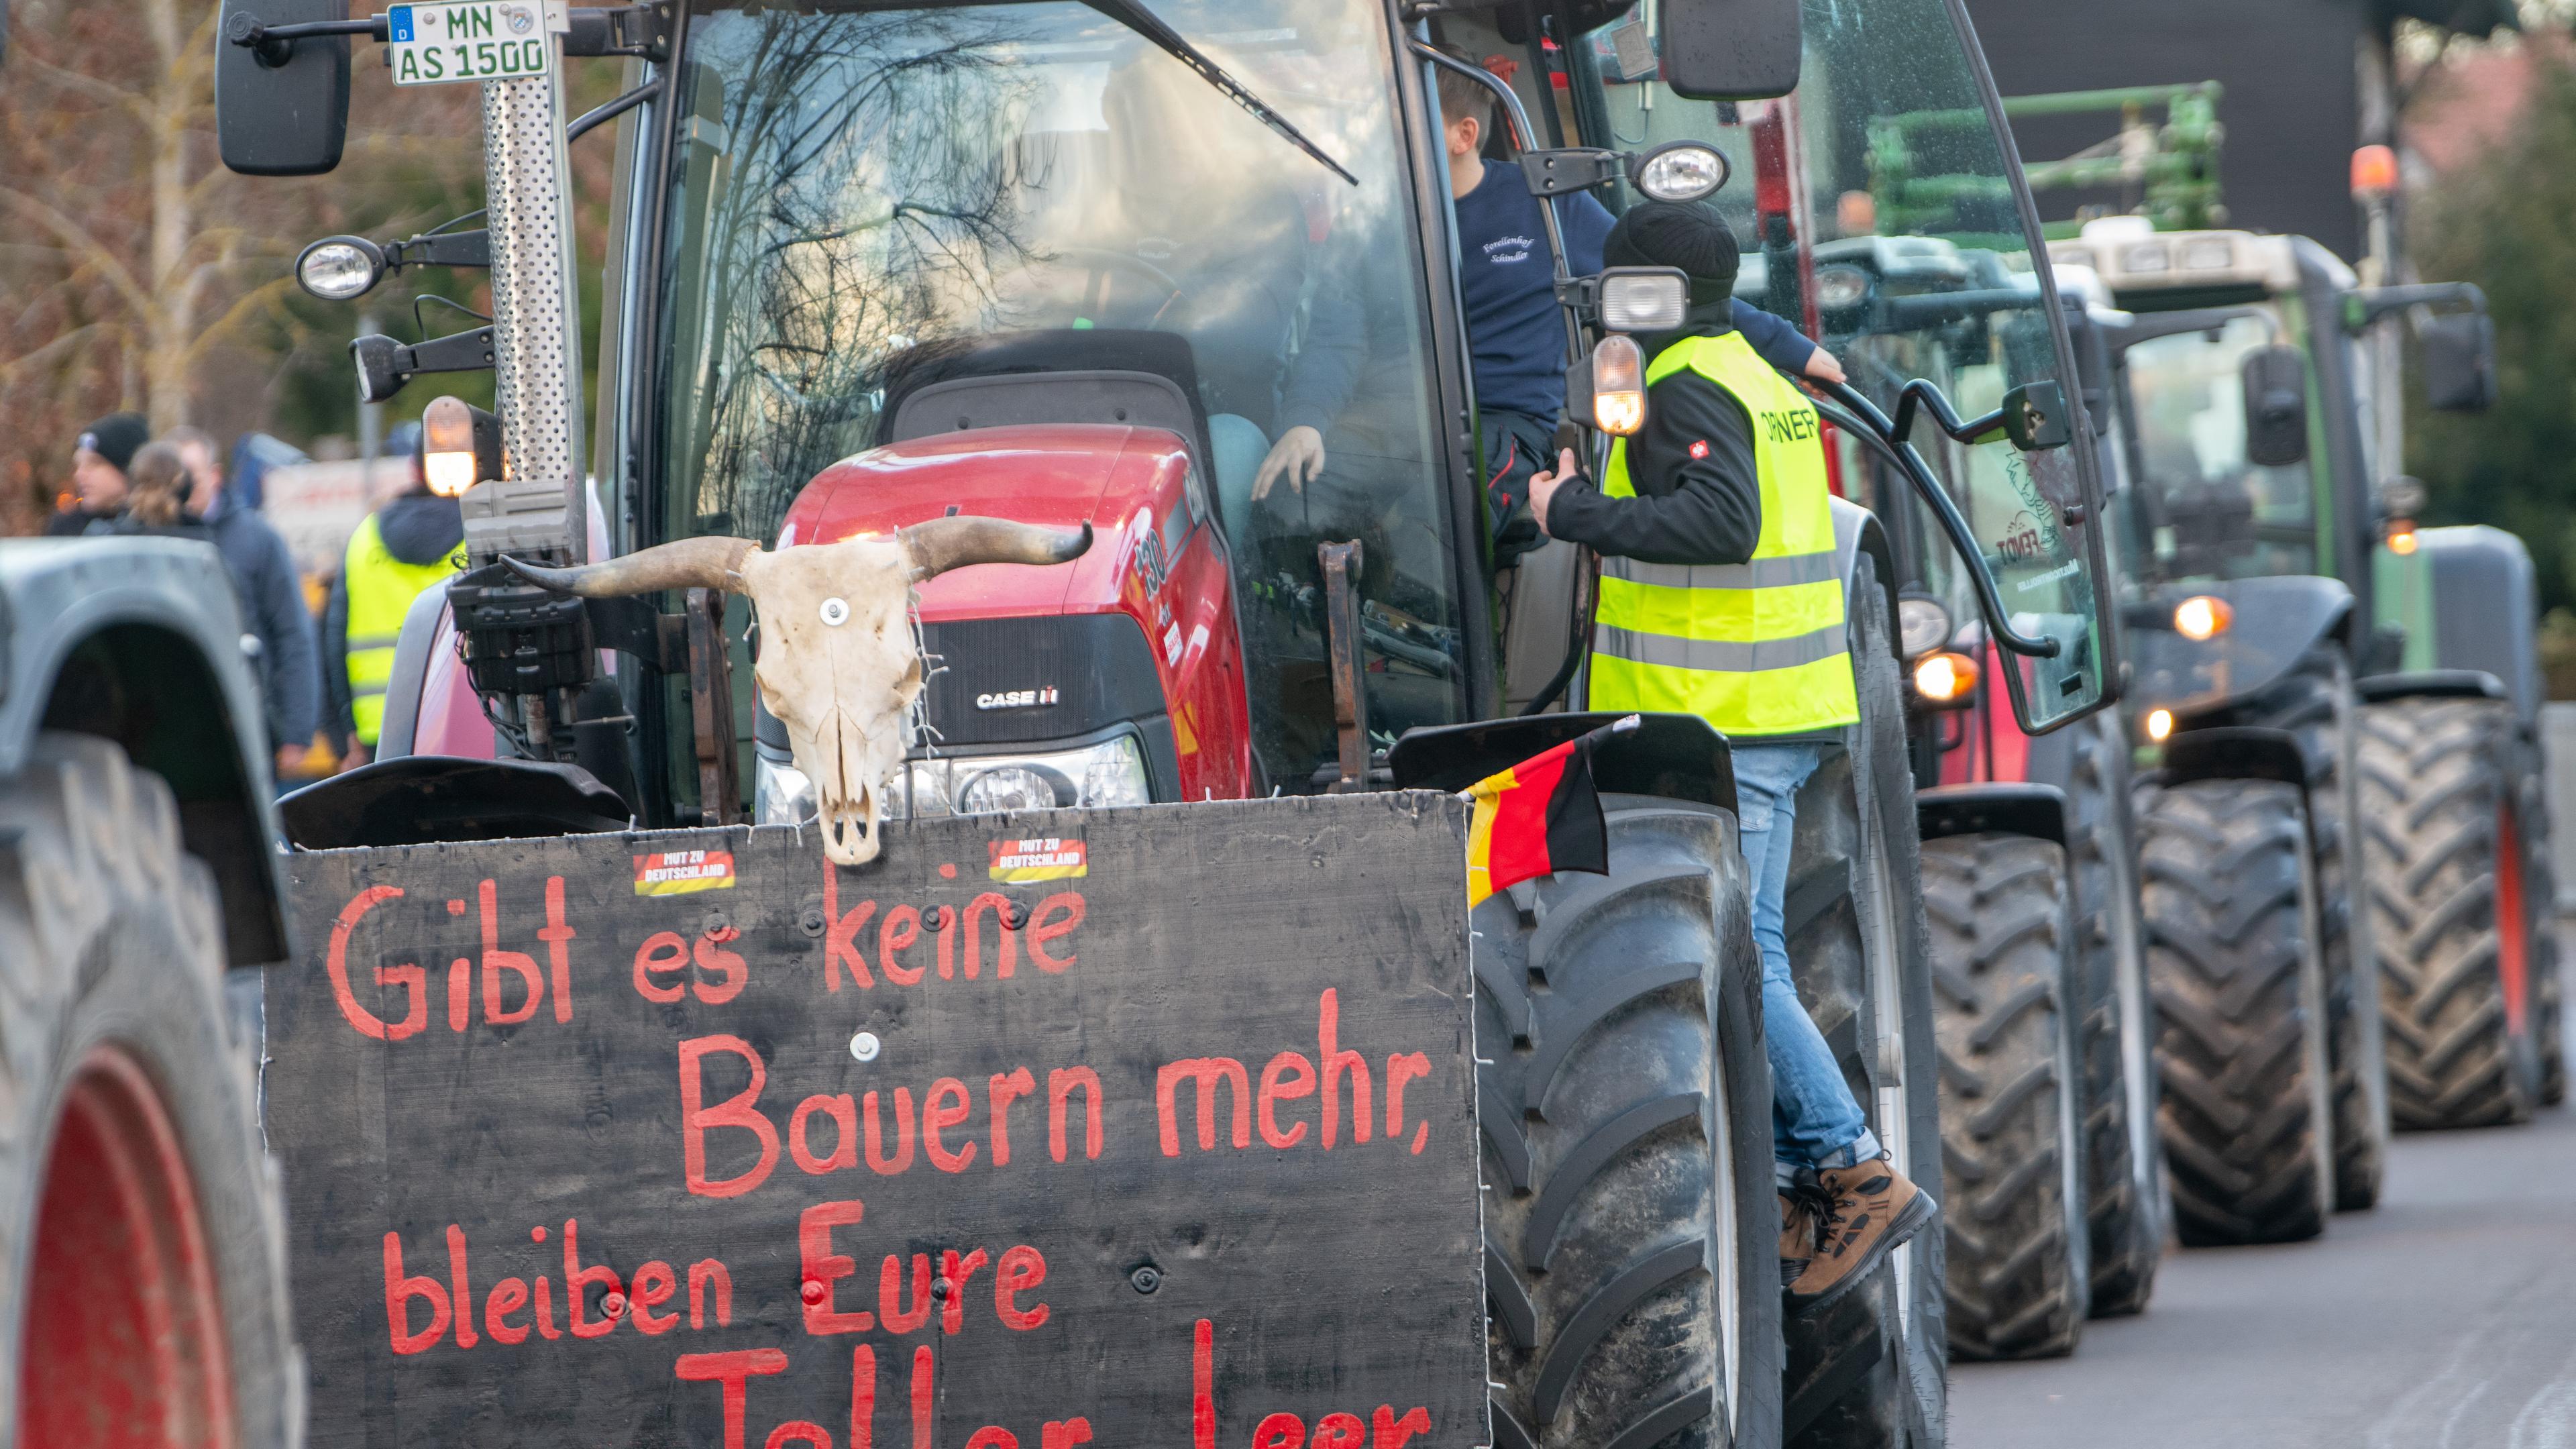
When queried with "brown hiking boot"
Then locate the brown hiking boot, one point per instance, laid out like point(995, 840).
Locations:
point(1873, 1209)
point(1803, 1206)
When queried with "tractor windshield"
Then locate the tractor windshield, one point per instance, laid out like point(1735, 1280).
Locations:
point(2200, 509)
point(1884, 217)
point(864, 197)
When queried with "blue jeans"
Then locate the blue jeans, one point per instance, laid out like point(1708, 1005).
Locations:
point(1814, 1121)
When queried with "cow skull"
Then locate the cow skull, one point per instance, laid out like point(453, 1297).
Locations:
point(839, 665)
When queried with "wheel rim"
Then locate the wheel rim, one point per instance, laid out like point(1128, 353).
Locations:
point(2513, 944)
point(124, 1345)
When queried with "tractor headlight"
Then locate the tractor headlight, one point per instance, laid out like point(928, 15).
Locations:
point(780, 793)
point(1644, 299)
point(1102, 775)
point(338, 268)
point(1922, 626)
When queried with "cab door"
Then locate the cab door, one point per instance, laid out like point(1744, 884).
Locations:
point(1883, 211)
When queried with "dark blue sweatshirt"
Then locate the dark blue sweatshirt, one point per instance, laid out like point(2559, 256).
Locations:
point(1509, 291)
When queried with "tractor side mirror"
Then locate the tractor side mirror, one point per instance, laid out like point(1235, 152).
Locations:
point(281, 106)
point(2036, 417)
point(2276, 406)
point(1731, 50)
point(2459, 363)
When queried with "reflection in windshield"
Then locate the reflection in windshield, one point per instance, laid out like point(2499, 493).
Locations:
point(1914, 264)
point(2202, 510)
point(867, 199)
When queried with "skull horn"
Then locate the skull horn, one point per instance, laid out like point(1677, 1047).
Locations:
point(688, 563)
point(950, 543)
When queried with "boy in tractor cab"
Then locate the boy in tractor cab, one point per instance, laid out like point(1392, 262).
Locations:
point(1514, 334)
point(1721, 596)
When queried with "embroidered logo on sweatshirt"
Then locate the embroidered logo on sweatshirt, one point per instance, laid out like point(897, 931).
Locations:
point(1504, 250)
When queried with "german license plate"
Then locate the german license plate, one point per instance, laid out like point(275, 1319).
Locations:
point(478, 40)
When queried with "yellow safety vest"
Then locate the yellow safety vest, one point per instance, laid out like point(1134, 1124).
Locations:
point(1755, 648)
point(381, 588)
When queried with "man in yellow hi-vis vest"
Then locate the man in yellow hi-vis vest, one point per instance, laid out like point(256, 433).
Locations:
point(412, 543)
point(1722, 596)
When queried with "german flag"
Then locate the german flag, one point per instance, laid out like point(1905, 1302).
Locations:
point(1539, 817)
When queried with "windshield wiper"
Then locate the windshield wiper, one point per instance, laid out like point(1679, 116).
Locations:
point(1133, 15)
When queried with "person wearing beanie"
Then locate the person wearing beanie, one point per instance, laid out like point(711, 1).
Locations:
point(414, 543)
point(1721, 595)
point(99, 461)
point(1515, 337)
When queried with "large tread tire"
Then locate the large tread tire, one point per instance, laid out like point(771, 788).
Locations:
point(2124, 1183)
point(2316, 702)
point(2010, 1095)
point(116, 955)
point(1871, 1369)
point(2438, 776)
point(1631, 1253)
point(2229, 894)
point(2540, 897)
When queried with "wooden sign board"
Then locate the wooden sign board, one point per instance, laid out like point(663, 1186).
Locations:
point(1146, 1127)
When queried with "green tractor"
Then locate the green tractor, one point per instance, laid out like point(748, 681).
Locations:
point(2305, 740)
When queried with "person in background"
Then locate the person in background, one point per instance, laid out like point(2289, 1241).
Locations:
point(98, 472)
point(415, 542)
point(1721, 597)
point(1515, 332)
point(272, 595)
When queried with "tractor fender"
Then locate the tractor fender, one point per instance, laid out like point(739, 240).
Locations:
point(1857, 531)
point(2276, 621)
point(2431, 683)
point(139, 640)
point(2233, 752)
point(2038, 811)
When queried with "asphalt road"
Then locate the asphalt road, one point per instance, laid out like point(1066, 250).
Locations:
point(2446, 1319)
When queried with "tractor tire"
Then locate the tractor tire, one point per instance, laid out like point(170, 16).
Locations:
point(1872, 1368)
point(2540, 904)
point(2315, 701)
point(2011, 1095)
point(1632, 1264)
point(2124, 1176)
point(2455, 924)
point(141, 1246)
point(2230, 901)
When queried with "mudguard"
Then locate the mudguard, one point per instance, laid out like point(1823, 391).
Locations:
point(2467, 603)
point(2038, 811)
point(2276, 621)
point(160, 670)
point(1675, 756)
point(2454, 683)
point(1857, 531)
point(2235, 752)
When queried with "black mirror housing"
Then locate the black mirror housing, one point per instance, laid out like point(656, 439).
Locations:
point(281, 117)
point(2036, 417)
point(2459, 363)
point(2276, 406)
point(1731, 50)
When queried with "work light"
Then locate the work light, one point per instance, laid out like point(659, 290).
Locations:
point(338, 268)
point(1680, 171)
point(1618, 386)
point(1644, 299)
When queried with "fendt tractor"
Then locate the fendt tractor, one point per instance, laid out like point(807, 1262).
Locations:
point(2332, 812)
point(660, 1060)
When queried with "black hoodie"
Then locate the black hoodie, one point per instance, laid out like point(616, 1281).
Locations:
point(419, 528)
point(1699, 498)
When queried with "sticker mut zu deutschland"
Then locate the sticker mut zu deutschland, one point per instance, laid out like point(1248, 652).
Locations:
point(1043, 858)
point(678, 872)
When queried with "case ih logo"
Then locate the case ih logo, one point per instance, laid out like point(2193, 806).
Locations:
point(1044, 694)
point(1046, 858)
